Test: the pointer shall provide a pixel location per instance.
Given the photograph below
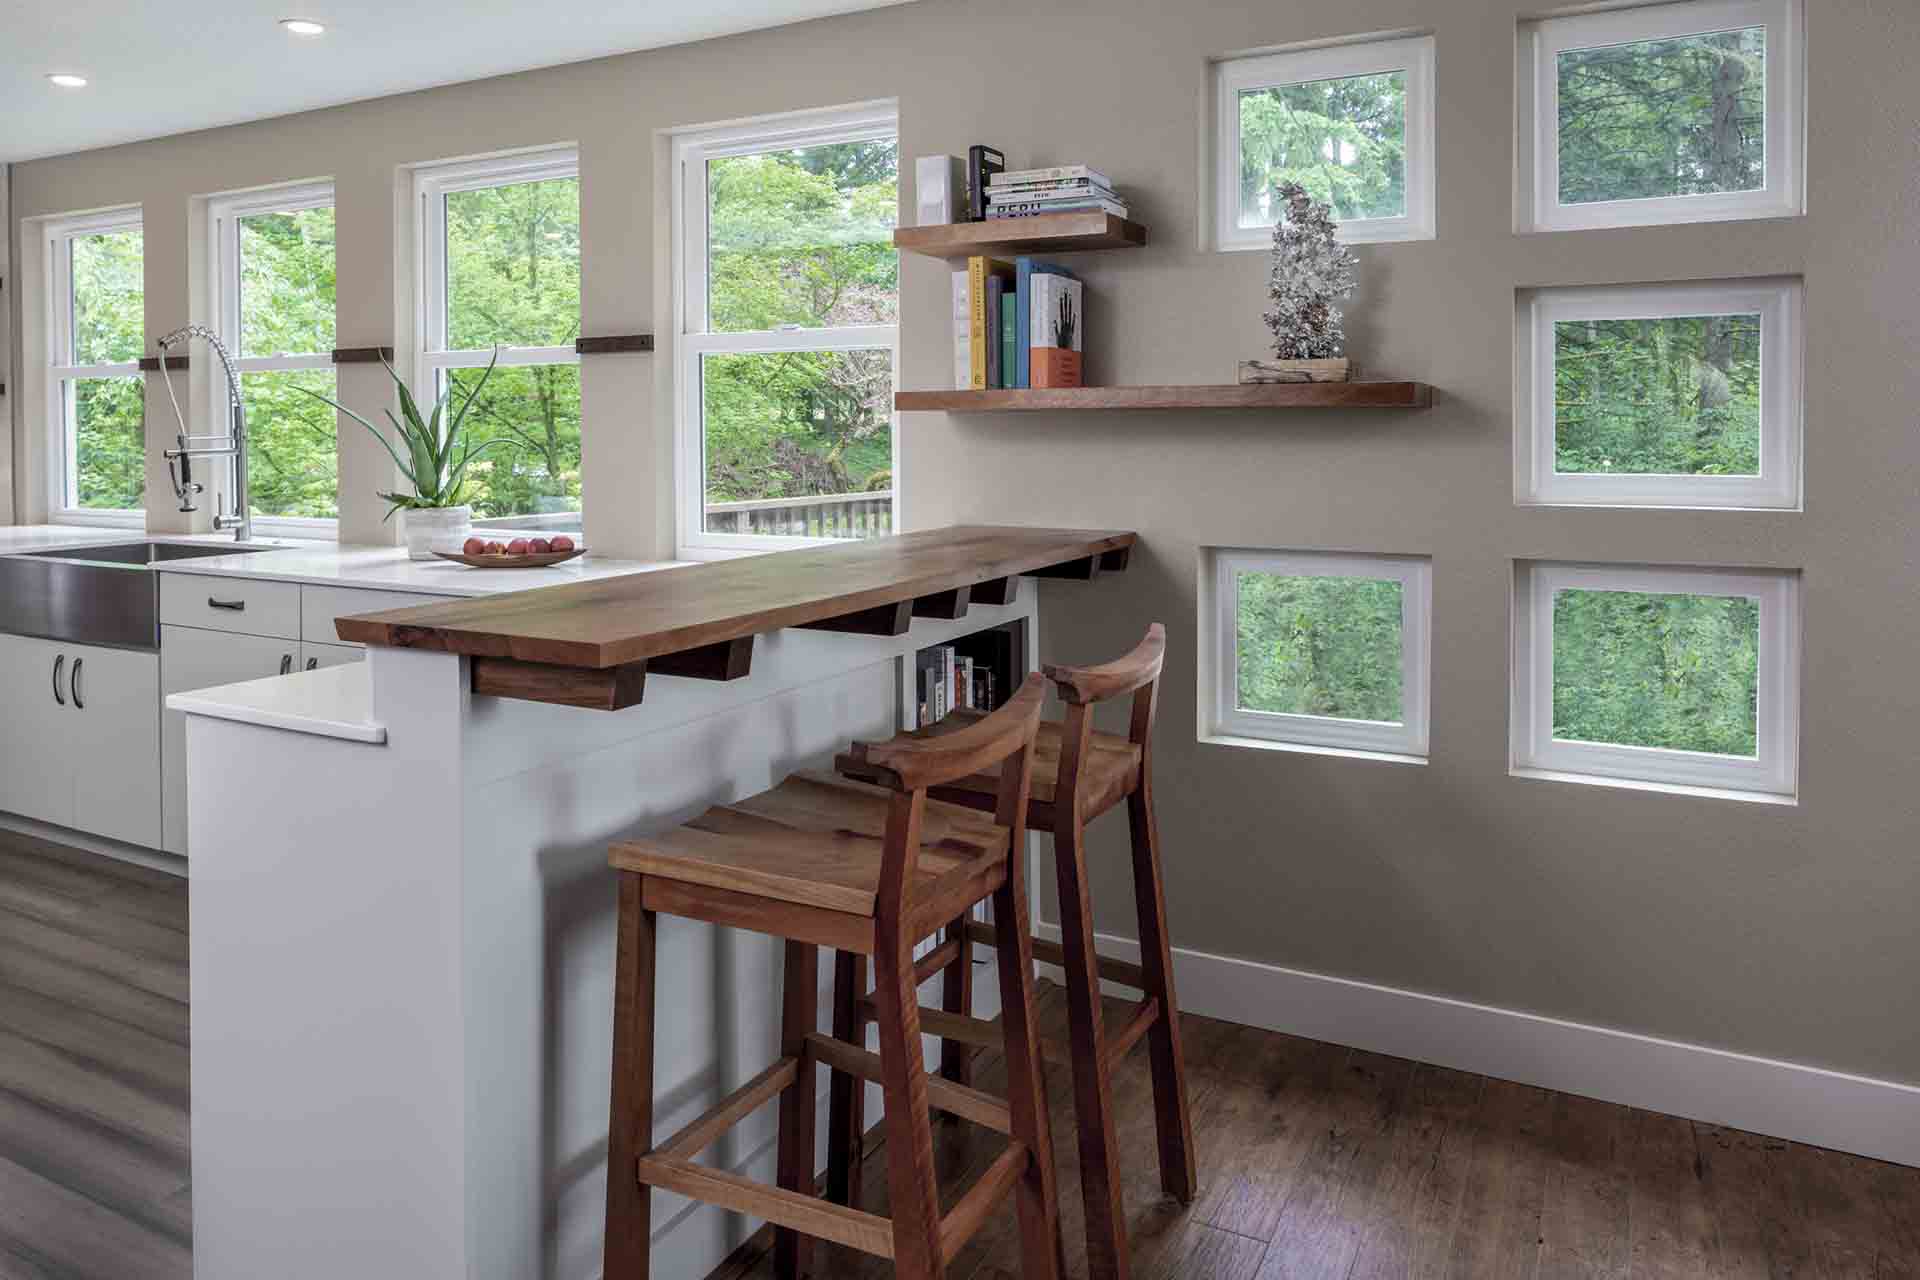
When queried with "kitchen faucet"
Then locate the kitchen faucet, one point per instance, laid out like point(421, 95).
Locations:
point(194, 445)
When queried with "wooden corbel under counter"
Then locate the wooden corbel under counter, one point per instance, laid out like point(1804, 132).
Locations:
point(592, 644)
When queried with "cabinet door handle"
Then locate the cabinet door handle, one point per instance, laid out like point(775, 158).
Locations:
point(73, 684)
point(59, 665)
point(286, 663)
point(234, 606)
point(312, 663)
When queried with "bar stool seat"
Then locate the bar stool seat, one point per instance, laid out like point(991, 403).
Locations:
point(1109, 774)
point(816, 840)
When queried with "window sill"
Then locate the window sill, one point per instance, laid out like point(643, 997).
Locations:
point(1645, 784)
point(1308, 748)
point(100, 519)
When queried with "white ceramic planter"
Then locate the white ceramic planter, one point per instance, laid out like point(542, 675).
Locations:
point(431, 529)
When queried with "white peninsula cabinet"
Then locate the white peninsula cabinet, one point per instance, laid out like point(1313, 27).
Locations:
point(224, 630)
point(82, 727)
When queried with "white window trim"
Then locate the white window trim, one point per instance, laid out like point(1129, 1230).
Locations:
point(59, 425)
point(1772, 774)
point(432, 183)
point(1363, 57)
point(1224, 721)
point(1782, 445)
point(691, 151)
point(1784, 193)
point(223, 286)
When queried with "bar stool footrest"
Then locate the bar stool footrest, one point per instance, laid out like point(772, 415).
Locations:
point(806, 1214)
point(944, 1095)
point(1123, 972)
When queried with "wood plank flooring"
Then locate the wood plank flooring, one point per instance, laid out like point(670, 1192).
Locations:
point(94, 1179)
point(1321, 1161)
point(1315, 1160)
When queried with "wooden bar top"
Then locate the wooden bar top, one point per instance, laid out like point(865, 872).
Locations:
point(852, 586)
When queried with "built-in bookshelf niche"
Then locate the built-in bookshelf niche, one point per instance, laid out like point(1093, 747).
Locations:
point(978, 671)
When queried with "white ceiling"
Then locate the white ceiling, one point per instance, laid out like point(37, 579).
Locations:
point(156, 69)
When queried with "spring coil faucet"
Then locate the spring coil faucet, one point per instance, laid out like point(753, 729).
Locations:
point(180, 460)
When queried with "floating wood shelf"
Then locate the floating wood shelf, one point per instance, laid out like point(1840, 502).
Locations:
point(1042, 233)
point(1269, 395)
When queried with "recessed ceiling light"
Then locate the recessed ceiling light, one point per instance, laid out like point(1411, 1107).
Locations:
point(66, 81)
point(302, 26)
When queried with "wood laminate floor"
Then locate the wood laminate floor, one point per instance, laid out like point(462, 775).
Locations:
point(1315, 1160)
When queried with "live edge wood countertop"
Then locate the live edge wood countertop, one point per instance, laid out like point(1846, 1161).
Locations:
point(590, 644)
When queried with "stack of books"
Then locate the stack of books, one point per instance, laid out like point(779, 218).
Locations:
point(1017, 324)
point(950, 681)
point(1066, 188)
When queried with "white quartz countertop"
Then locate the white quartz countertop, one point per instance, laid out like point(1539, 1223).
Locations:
point(332, 564)
point(331, 702)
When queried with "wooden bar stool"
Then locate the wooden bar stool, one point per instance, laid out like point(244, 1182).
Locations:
point(1078, 775)
point(868, 870)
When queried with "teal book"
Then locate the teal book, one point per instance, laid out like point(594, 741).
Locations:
point(1024, 269)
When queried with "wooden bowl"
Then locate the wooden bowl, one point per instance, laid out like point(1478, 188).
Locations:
point(531, 560)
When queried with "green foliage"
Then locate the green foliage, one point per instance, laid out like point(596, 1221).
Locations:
point(1674, 396)
point(533, 414)
point(287, 308)
point(1663, 117)
point(800, 239)
point(108, 414)
point(435, 454)
point(1319, 646)
point(110, 469)
point(1343, 140)
point(1654, 670)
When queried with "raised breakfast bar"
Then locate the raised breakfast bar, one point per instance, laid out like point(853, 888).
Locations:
point(402, 963)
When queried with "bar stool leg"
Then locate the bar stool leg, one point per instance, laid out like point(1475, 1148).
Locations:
point(913, 1190)
point(1092, 1086)
point(630, 1129)
point(800, 1013)
point(1042, 1256)
point(1177, 1177)
point(956, 996)
point(847, 1093)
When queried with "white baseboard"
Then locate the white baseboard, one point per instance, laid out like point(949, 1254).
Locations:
point(1878, 1118)
point(139, 855)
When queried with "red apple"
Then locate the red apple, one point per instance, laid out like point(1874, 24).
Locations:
point(475, 546)
point(496, 549)
point(539, 546)
point(518, 547)
point(561, 542)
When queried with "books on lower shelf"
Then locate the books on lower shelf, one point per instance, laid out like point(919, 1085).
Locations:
point(1017, 324)
point(952, 681)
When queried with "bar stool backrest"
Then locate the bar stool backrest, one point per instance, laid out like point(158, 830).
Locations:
point(908, 766)
point(1138, 673)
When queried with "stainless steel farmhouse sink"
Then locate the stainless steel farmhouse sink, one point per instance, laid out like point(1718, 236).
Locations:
point(94, 595)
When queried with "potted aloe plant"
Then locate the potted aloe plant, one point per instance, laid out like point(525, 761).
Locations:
point(434, 461)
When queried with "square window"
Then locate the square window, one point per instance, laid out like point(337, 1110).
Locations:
point(1353, 123)
point(1660, 396)
point(1676, 676)
point(1318, 650)
point(1686, 112)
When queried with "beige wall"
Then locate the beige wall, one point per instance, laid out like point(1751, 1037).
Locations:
point(1782, 931)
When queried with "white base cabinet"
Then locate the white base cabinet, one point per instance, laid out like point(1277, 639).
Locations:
point(191, 658)
point(82, 727)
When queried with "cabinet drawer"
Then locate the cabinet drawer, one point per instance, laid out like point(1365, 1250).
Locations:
point(314, 657)
point(319, 606)
point(247, 605)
